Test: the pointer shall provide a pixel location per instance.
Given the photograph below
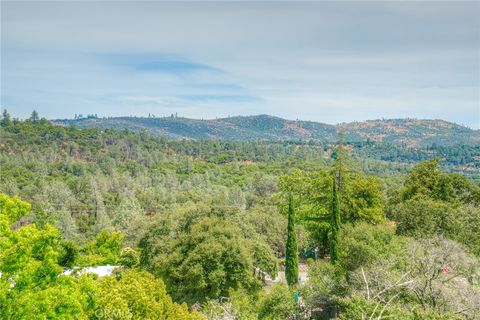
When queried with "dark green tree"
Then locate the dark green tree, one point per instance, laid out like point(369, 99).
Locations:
point(291, 261)
point(6, 119)
point(340, 169)
point(335, 223)
point(69, 253)
point(34, 117)
point(202, 262)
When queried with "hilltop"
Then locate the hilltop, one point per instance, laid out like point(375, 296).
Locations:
point(411, 132)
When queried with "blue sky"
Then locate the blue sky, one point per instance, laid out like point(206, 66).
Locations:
point(323, 61)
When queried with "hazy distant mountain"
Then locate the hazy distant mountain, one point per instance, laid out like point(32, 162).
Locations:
point(411, 132)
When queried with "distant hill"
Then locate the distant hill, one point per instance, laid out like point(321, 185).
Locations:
point(410, 132)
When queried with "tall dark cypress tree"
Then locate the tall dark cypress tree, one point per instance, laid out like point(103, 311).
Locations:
point(291, 259)
point(334, 223)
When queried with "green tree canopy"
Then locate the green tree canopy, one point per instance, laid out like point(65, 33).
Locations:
point(31, 285)
point(137, 295)
point(427, 179)
point(203, 261)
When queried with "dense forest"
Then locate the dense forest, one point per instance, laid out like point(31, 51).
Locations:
point(398, 143)
point(217, 229)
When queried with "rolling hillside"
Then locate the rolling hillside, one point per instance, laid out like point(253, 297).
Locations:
point(410, 132)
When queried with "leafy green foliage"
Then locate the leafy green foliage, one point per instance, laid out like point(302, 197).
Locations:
point(263, 259)
point(278, 303)
point(363, 244)
point(204, 259)
point(422, 216)
point(129, 258)
point(427, 179)
point(358, 307)
point(11, 209)
point(322, 207)
point(364, 200)
point(324, 285)
point(210, 219)
point(69, 253)
point(67, 298)
point(105, 249)
point(435, 203)
point(31, 284)
point(137, 295)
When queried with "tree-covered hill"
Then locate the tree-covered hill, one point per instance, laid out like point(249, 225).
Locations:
point(260, 127)
point(410, 132)
point(195, 227)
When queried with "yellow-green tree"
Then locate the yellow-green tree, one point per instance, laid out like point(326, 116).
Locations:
point(31, 285)
point(138, 295)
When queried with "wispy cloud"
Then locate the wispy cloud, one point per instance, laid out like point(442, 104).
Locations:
point(219, 98)
point(150, 100)
point(156, 63)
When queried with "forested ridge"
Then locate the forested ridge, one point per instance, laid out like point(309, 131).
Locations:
point(200, 229)
point(404, 132)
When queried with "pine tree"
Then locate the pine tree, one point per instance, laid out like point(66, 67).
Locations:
point(334, 223)
point(6, 119)
point(291, 261)
point(340, 165)
point(34, 117)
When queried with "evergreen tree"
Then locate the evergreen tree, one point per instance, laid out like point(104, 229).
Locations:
point(6, 119)
point(34, 117)
point(335, 223)
point(340, 165)
point(65, 223)
point(291, 262)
